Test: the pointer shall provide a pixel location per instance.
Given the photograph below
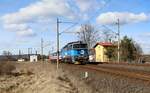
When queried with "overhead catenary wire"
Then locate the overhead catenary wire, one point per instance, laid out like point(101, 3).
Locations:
point(65, 31)
point(78, 23)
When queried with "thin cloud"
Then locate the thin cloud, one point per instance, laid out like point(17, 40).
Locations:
point(90, 5)
point(110, 18)
point(146, 35)
point(34, 13)
point(45, 11)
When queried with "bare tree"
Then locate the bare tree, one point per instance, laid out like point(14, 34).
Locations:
point(88, 34)
point(138, 53)
point(107, 35)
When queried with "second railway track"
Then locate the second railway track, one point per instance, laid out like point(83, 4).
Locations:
point(139, 75)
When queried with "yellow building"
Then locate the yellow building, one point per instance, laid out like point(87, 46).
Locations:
point(100, 50)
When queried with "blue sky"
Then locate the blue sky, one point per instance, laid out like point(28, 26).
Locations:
point(24, 22)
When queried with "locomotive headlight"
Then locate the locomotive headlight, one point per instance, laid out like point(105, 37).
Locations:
point(65, 54)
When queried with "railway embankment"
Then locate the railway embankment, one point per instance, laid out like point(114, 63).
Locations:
point(108, 78)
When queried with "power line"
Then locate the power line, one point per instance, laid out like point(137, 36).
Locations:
point(110, 29)
point(65, 31)
point(94, 15)
point(74, 23)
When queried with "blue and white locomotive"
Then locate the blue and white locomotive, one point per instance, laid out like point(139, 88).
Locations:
point(75, 52)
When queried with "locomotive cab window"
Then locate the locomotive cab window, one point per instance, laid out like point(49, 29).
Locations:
point(69, 47)
point(80, 46)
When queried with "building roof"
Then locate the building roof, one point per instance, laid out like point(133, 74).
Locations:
point(105, 44)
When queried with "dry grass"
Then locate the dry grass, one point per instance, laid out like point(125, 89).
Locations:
point(44, 78)
point(106, 83)
point(6, 68)
point(37, 78)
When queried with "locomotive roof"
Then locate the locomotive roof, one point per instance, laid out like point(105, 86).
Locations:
point(75, 42)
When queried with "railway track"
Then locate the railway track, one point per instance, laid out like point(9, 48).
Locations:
point(138, 75)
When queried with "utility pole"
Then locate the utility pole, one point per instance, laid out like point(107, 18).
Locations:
point(31, 51)
point(28, 51)
point(58, 34)
point(19, 53)
point(36, 52)
point(42, 41)
point(57, 42)
point(118, 23)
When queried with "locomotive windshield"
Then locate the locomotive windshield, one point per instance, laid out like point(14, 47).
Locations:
point(80, 46)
